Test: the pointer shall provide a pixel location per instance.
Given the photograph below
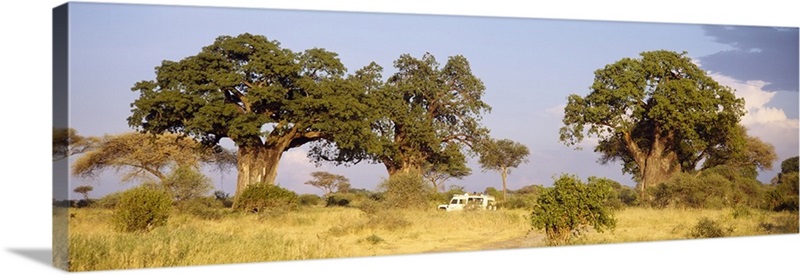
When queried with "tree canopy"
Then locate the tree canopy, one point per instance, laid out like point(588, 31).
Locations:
point(329, 182)
point(427, 115)
point(144, 156)
point(67, 142)
point(654, 114)
point(265, 98)
point(502, 155)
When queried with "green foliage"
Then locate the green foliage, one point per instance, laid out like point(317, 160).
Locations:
point(339, 199)
point(260, 197)
point(223, 197)
point(406, 190)
point(790, 165)
point(109, 201)
point(746, 153)
point(784, 195)
point(656, 115)
point(425, 114)
point(141, 209)
point(208, 208)
point(718, 187)
point(570, 206)
point(329, 182)
point(708, 228)
point(519, 201)
point(186, 183)
point(502, 155)
point(309, 200)
point(237, 85)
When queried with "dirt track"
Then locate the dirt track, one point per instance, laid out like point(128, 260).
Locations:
point(529, 240)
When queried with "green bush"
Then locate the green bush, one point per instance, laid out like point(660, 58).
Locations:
point(783, 196)
point(109, 201)
point(718, 187)
point(407, 190)
point(570, 206)
point(259, 197)
point(141, 209)
point(203, 207)
point(708, 228)
point(519, 201)
point(309, 199)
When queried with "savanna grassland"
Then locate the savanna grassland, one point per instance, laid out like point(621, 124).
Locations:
point(334, 232)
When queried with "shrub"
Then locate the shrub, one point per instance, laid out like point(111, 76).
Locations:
point(519, 201)
point(309, 199)
point(261, 196)
point(783, 196)
point(406, 190)
point(339, 199)
point(203, 207)
point(109, 201)
point(223, 197)
point(708, 228)
point(141, 209)
point(570, 206)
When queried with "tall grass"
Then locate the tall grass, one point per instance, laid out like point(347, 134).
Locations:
point(646, 224)
point(335, 232)
point(309, 233)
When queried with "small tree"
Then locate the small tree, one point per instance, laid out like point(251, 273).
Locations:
point(185, 183)
point(329, 183)
point(567, 208)
point(84, 189)
point(501, 156)
point(406, 191)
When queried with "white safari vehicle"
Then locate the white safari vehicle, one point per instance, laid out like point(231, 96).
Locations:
point(470, 201)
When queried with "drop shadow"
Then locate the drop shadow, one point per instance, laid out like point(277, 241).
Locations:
point(41, 255)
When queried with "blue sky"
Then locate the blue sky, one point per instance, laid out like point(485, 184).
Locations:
point(529, 67)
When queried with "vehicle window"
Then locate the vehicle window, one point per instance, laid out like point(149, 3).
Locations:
point(461, 201)
point(454, 201)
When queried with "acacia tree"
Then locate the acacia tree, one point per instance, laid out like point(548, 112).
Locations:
point(67, 142)
point(652, 114)
point(143, 156)
point(502, 155)
point(84, 190)
point(742, 151)
point(265, 98)
point(329, 182)
point(439, 171)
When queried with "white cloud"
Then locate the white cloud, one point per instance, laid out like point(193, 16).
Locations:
point(756, 100)
point(770, 124)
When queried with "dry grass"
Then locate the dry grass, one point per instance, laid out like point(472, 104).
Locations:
point(644, 224)
point(311, 233)
point(315, 233)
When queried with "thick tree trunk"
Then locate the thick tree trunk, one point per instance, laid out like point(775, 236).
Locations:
point(256, 164)
point(656, 164)
point(659, 165)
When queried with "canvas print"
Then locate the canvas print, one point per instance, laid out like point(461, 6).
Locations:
point(188, 136)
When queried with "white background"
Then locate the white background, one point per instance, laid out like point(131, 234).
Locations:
point(25, 130)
